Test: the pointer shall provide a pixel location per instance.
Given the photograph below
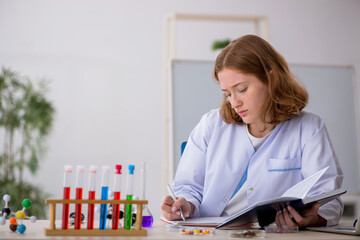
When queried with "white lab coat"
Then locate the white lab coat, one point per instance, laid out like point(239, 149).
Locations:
point(217, 154)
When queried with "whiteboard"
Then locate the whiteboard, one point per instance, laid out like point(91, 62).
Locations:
point(193, 92)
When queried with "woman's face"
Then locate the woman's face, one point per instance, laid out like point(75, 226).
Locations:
point(246, 94)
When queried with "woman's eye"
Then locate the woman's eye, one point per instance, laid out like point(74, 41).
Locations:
point(242, 90)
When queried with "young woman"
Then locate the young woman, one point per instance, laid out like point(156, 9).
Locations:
point(257, 145)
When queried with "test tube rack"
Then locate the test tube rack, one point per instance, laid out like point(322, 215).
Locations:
point(137, 231)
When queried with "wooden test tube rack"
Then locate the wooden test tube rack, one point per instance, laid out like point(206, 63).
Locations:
point(137, 231)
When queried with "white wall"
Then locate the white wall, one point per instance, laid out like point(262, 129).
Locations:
point(105, 60)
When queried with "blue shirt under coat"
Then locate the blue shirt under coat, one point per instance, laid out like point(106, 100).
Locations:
point(217, 154)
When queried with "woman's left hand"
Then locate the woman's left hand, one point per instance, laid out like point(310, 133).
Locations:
point(289, 217)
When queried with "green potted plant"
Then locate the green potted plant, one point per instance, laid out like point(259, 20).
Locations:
point(220, 44)
point(26, 119)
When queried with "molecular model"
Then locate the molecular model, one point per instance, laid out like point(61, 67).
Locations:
point(15, 222)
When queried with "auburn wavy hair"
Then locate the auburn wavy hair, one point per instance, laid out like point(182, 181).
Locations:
point(251, 54)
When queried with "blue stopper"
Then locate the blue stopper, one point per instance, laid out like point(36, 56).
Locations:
point(131, 169)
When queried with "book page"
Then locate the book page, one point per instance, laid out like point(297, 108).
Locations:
point(196, 221)
point(300, 189)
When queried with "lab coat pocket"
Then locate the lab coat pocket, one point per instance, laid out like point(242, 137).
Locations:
point(284, 173)
point(282, 165)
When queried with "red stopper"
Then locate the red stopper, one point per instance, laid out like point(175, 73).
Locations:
point(118, 169)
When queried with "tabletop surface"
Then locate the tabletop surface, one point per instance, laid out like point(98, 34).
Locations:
point(160, 230)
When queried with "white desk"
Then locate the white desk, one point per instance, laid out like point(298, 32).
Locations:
point(160, 231)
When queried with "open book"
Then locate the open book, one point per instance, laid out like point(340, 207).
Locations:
point(265, 212)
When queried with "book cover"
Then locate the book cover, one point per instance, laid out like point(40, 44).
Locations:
point(264, 212)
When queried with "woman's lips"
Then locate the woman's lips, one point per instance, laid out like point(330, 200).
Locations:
point(242, 113)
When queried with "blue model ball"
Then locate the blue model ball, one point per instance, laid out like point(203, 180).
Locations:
point(21, 228)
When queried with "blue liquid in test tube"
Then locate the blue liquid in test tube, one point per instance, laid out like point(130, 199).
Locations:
point(104, 196)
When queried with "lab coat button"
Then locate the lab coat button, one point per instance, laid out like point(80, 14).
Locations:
point(250, 189)
point(225, 200)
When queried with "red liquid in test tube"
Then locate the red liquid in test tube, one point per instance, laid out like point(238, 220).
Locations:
point(79, 191)
point(92, 186)
point(66, 195)
point(91, 211)
point(117, 192)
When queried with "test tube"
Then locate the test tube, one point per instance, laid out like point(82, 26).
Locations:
point(129, 196)
point(142, 180)
point(79, 192)
point(66, 195)
point(92, 188)
point(117, 191)
point(147, 217)
point(104, 196)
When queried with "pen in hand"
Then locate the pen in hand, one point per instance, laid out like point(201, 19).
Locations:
point(172, 194)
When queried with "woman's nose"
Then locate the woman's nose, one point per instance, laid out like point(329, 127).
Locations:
point(235, 101)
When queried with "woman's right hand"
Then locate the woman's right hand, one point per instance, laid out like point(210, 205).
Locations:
point(170, 208)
